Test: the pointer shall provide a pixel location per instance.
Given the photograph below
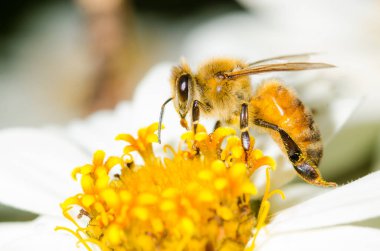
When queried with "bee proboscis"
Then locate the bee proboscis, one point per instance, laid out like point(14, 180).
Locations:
point(221, 88)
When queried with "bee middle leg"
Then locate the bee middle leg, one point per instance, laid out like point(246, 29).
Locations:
point(217, 124)
point(245, 140)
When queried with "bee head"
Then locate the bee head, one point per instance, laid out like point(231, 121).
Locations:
point(182, 82)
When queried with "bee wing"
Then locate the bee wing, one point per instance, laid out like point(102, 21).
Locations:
point(284, 59)
point(296, 66)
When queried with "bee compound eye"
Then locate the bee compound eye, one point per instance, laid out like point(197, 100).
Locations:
point(183, 87)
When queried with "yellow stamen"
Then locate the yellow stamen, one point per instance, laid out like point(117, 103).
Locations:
point(264, 209)
point(196, 199)
point(79, 237)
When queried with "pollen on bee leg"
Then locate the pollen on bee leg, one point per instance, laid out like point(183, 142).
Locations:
point(184, 124)
point(321, 182)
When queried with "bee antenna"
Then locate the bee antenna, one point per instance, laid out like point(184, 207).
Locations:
point(160, 121)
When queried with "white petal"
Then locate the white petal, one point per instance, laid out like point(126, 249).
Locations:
point(295, 194)
point(356, 201)
point(98, 131)
point(36, 235)
point(343, 238)
point(35, 170)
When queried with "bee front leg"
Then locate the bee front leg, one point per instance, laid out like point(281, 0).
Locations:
point(245, 140)
point(195, 112)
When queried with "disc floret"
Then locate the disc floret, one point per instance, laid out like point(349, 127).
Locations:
point(199, 198)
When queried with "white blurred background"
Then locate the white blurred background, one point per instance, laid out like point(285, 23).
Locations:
point(61, 60)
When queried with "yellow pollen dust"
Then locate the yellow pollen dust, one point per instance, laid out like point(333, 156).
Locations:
point(199, 198)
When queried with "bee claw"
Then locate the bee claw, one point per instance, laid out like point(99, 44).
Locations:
point(311, 174)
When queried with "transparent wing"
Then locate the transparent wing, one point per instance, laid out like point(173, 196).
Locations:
point(296, 66)
point(285, 59)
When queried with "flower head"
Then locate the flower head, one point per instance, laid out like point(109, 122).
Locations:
point(197, 199)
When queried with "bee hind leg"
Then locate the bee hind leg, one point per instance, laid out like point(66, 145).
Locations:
point(310, 173)
point(245, 140)
point(303, 166)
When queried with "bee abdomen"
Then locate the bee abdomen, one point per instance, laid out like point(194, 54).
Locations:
point(309, 139)
point(280, 106)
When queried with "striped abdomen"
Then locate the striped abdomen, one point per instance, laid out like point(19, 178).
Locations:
point(279, 111)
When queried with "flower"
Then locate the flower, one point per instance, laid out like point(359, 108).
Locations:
point(330, 214)
point(36, 164)
point(198, 199)
point(317, 217)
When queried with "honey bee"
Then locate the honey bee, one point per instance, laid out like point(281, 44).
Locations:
point(222, 89)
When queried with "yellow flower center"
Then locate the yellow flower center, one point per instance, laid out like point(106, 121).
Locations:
point(198, 198)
